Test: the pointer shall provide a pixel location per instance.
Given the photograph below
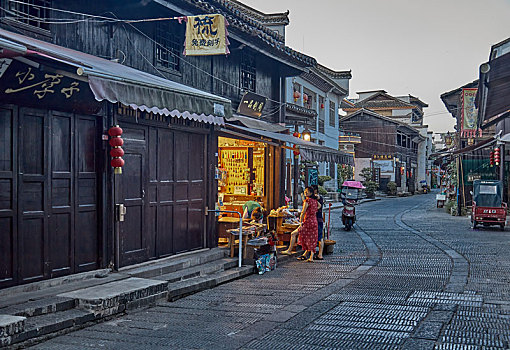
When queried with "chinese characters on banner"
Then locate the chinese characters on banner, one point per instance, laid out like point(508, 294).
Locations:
point(469, 114)
point(206, 35)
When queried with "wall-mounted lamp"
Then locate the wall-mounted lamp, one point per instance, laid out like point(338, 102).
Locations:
point(307, 135)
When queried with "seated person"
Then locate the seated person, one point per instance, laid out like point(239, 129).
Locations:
point(248, 208)
point(257, 215)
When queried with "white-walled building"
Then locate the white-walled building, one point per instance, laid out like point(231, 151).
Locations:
point(313, 100)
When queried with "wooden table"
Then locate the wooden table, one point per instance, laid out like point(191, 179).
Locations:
point(232, 234)
point(226, 223)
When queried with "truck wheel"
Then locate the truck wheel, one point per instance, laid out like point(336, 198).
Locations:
point(474, 223)
point(502, 227)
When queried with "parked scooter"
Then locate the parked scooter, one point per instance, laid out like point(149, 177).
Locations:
point(350, 194)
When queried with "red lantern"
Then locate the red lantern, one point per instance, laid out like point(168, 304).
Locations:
point(116, 152)
point(295, 151)
point(116, 142)
point(117, 162)
point(295, 134)
point(322, 105)
point(115, 131)
point(296, 95)
point(305, 98)
point(496, 156)
point(492, 158)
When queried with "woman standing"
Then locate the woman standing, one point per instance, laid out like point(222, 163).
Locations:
point(308, 230)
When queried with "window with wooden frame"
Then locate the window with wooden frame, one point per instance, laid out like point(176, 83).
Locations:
point(248, 72)
point(31, 12)
point(332, 114)
point(169, 38)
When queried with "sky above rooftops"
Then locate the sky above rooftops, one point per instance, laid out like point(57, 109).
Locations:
point(418, 47)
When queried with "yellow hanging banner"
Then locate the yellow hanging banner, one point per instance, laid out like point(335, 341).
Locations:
point(206, 35)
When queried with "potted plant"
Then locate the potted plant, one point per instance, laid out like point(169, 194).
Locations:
point(371, 187)
point(392, 188)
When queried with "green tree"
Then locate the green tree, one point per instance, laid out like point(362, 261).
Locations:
point(371, 186)
point(345, 172)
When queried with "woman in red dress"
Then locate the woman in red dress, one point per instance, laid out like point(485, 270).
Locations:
point(308, 230)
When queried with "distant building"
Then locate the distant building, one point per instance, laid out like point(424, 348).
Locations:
point(406, 109)
point(388, 146)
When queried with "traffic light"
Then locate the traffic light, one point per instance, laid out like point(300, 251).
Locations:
point(496, 156)
point(492, 158)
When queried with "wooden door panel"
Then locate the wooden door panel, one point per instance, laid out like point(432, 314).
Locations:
point(8, 197)
point(33, 195)
point(86, 241)
point(165, 230)
point(7, 252)
point(61, 221)
point(32, 247)
point(86, 203)
point(181, 154)
point(196, 225)
point(60, 234)
point(131, 187)
point(180, 228)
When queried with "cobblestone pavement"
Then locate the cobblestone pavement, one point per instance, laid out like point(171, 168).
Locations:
point(408, 277)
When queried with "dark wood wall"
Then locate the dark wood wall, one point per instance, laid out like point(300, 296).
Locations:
point(378, 137)
point(134, 46)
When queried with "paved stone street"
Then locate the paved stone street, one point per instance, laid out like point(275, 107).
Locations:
point(408, 277)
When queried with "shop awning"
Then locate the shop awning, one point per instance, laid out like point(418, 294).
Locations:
point(115, 82)
point(308, 150)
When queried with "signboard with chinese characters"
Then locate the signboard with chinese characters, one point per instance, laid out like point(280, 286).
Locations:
point(206, 35)
point(251, 105)
point(312, 176)
point(382, 157)
point(469, 114)
point(25, 85)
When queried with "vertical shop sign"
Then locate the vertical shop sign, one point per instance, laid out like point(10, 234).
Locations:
point(312, 176)
point(206, 35)
point(469, 114)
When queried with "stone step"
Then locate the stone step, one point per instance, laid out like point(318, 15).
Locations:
point(173, 264)
point(46, 324)
point(10, 326)
point(199, 270)
point(118, 296)
point(39, 307)
point(181, 289)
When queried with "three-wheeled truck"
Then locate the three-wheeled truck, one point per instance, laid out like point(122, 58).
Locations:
point(488, 206)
